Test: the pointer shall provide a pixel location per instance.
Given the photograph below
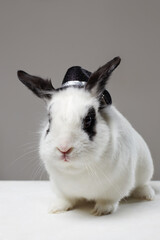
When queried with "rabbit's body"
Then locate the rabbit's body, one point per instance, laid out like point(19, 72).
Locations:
point(108, 168)
point(90, 151)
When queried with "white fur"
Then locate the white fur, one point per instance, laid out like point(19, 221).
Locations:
point(116, 164)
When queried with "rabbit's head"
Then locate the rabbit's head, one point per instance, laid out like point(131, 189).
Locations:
point(76, 132)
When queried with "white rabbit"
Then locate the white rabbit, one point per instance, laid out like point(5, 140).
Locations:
point(87, 146)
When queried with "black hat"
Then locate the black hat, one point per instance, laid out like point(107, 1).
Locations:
point(76, 73)
point(79, 76)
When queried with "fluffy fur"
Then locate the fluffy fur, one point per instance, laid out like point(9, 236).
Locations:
point(103, 163)
point(116, 164)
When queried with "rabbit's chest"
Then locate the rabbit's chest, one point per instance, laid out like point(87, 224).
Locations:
point(88, 185)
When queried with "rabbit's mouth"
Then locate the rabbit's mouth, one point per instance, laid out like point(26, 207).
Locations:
point(64, 153)
point(65, 157)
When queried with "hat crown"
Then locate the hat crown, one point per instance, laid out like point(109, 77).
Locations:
point(78, 76)
point(76, 73)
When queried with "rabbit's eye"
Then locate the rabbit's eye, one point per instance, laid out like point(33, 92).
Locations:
point(89, 123)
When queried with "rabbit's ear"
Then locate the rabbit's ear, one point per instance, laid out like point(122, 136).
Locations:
point(98, 79)
point(41, 87)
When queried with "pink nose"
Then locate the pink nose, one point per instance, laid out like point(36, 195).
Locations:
point(65, 150)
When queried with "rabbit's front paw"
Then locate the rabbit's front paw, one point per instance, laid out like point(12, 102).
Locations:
point(60, 205)
point(104, 208)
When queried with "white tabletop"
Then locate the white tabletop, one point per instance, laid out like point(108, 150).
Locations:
point(24, 215)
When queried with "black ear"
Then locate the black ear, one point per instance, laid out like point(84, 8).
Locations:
point(98, 80)
point(41, 87)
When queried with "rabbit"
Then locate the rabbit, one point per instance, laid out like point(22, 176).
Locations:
point(88, 147)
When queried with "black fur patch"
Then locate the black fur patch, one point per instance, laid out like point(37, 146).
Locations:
point(105, 100)
point(89, 123)
point(49, 120)
point(41, 87)
point(99, 78)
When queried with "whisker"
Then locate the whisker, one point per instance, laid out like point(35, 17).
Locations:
point(116, 187)
point(35, 173)
point(88, 170)
point(33, 143)
point(38, 172)
point(32, 162)
point(19, 158)
point(94, 173)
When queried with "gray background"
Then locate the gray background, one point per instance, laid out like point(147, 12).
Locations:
point(45, 37)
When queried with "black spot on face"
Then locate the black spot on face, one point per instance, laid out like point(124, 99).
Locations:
point(49, 120)
point(89, 123)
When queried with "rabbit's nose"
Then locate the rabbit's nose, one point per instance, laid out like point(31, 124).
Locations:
point(65, 150)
